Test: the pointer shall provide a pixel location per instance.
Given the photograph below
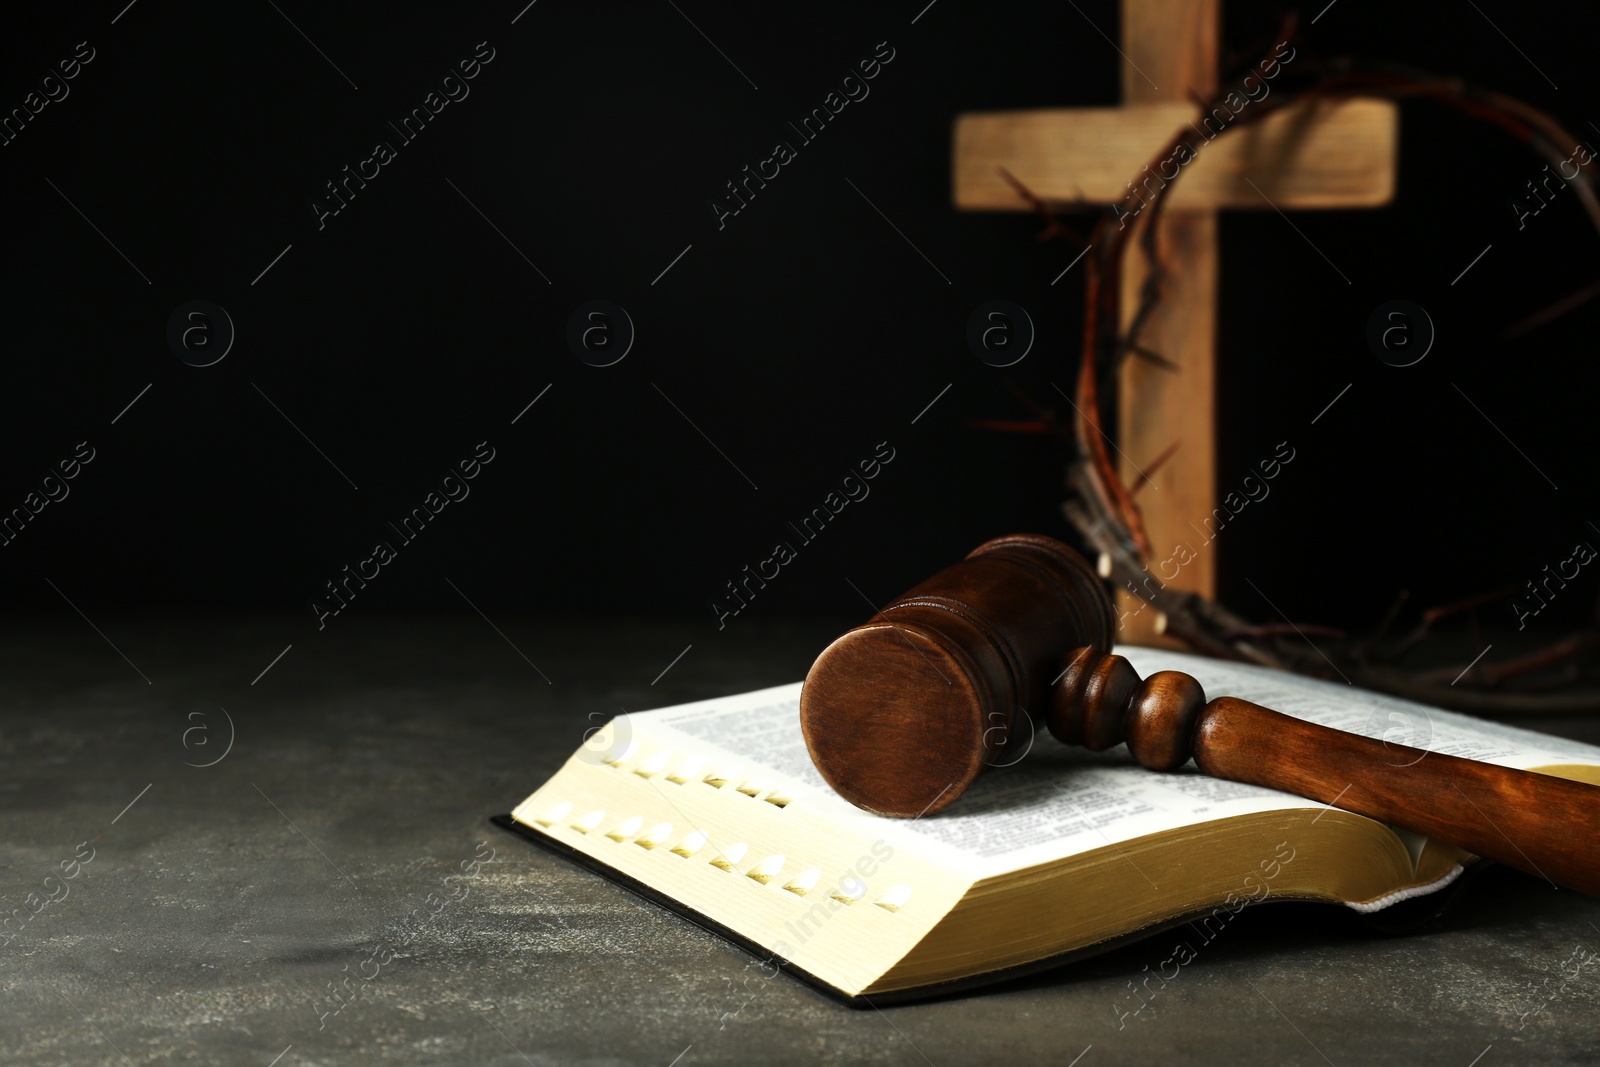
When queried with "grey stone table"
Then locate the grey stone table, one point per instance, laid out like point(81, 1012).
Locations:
point(222, 902)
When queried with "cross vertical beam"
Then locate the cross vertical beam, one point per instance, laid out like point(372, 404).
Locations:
point(1172, 50)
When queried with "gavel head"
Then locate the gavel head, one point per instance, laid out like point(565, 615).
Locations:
point(903, 712)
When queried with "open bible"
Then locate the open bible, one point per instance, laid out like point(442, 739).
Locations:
point(714, 808)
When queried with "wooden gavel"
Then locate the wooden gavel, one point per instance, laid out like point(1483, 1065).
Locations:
point(901, 714)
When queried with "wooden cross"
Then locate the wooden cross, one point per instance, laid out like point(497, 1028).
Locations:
point(1326, 155)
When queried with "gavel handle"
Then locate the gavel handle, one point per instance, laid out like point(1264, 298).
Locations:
point(1538, 823)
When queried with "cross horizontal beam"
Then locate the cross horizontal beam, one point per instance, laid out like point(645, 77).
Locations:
point(1315, 154)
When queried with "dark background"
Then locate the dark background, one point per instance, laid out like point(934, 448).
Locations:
point(806, 331)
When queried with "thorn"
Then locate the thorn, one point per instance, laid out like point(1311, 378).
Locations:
point(1011, 425)
point(1284, 629)
point(1444, 611)
point(1154, 357)
point(1149, 473)
point(1553, 312)
point(1387, 621)
point(1055, 228)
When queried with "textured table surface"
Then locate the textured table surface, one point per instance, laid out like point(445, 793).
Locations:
point(223, 902)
